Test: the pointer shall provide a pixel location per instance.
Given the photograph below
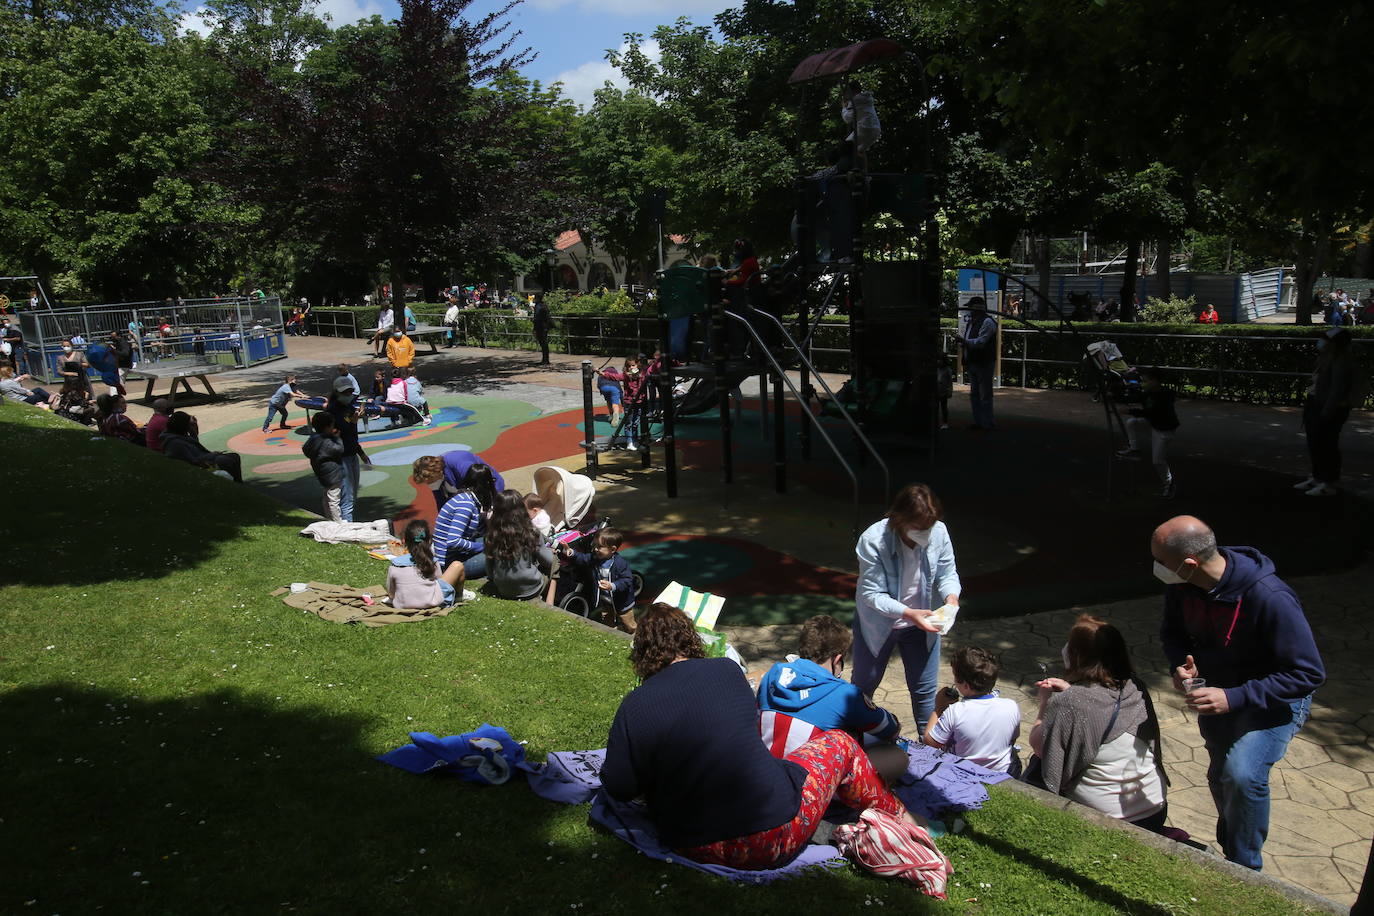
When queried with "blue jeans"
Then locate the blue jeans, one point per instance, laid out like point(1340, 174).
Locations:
point(920, 658)
point(274, 409)
point(352, 466)
point(679, 331)
point(980, 393)
point(1243, 746)
point(474, 567)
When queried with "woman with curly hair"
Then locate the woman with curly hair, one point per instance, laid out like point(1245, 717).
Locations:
point(517, 564)
point(687, 741)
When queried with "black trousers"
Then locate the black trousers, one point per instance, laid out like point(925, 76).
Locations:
point(542, 337)
point(1323, 441)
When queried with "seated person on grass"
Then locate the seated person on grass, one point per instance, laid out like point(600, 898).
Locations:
point(518, 564)
point(415, 581)
point(607, 577)
point(182, 443)
point(157, 424)
point(461, 523)
point(445, 475)
point(975, 722)
point(11, 386)
point(115, 422)
point(686, 741)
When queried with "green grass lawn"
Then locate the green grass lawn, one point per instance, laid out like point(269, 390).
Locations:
point(176, 740)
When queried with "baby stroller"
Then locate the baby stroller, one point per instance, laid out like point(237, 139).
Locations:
point(1117, 376)
point(569, 500)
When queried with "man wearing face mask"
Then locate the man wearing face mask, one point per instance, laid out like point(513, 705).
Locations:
point(400, 350)
point(1230, 620)
point(907, 597)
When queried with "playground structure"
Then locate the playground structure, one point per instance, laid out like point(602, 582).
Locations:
point(869, 240)
point(169, 339)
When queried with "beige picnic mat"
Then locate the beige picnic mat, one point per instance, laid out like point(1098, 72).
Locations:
point(345, 604)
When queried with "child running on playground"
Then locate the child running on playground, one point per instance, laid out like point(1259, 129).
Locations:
point(415, 581)
point(280, 398)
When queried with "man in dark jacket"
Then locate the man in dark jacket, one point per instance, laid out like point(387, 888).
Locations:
point(1229, 619)
point(181, 442)
point(542, 322)
point(980, 359)
point(1155, 418)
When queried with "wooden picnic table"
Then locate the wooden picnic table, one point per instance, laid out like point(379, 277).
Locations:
point(180, 373)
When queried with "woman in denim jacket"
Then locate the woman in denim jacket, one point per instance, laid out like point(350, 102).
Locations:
point(906, 573)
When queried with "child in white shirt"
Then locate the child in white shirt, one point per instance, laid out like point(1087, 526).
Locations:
point(971, 720)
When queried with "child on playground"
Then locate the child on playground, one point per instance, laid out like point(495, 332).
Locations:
point(534, 505)
point(971, 720)
point(326, 450)
point(944, 388)
point(610, 576)
point(631, 387)
point(280, 398)
point(415, 581)
point(415, 395)
point(609, 385)
point(1155, 416)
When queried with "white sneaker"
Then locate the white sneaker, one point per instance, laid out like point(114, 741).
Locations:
point(469, 595)
point(1307, 484)
point(1323, 489)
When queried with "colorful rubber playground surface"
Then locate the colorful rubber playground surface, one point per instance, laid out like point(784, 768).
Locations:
point(1030, 521)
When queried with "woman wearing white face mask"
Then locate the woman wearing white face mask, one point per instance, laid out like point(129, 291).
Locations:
point(908, 595)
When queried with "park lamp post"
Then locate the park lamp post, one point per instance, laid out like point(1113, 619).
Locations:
point(550, 259)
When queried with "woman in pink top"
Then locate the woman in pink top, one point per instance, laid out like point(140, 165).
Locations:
point(414, 580)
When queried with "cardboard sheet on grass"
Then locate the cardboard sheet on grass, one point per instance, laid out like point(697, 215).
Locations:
point(345, 604)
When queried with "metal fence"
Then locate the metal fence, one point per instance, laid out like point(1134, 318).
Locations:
point(233, 332)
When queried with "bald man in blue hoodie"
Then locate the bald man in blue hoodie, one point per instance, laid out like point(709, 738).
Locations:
point(1229, 619)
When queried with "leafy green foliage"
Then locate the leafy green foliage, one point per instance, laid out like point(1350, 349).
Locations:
point(1169, 309)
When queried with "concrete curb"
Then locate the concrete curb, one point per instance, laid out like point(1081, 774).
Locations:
point(1181, 850)
point(594, 624)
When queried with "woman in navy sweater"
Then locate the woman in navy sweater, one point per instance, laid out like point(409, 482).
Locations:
point(687, 741)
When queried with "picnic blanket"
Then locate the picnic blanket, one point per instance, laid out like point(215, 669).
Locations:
point(345, 604)
point(935, 784)
point(328, 532)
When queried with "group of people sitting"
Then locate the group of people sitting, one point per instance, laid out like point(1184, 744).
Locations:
point(171, 433)
point(1343, 310)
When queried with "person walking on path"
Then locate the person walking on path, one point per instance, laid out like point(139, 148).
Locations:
point(1242, 650)
point(1157, 420)
point(980, 356)
point(400, 349)
point(542, 322)
point(906, 574)
point(1333, 392)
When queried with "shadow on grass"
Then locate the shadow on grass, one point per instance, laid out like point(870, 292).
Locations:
point(139, 513)
point(230, 803)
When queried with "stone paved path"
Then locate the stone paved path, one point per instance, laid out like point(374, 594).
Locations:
point(1323, 790)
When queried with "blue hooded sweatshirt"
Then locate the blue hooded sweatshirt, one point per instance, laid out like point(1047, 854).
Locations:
point(804, 690)
point(1248, 634)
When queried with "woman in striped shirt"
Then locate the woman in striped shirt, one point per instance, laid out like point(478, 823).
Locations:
point(462, 522)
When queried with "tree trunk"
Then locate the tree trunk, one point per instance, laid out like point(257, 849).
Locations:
point(1163, 276)
point(1311, 256)
point(398, 283)
point(1128, 280)
point(1042, 270)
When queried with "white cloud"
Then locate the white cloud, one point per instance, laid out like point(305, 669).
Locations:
point(347, 12)
point(198, 20)
point(581, 82)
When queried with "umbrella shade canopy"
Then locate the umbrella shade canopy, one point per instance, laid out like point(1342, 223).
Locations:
point(839, 61)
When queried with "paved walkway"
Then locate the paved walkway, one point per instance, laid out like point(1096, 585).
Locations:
point(1323, 814)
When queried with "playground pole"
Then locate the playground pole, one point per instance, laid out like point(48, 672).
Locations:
point(588, 420)
point(645, 459)
point(718, 353)
point(664, 380)
point(779, 435)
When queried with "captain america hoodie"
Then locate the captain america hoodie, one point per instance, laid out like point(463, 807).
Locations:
point(1247, 634)
point(804, 690)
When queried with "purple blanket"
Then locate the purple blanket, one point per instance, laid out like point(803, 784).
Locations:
point(937, 783)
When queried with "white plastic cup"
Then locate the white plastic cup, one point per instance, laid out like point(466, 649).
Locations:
point(1193, 683)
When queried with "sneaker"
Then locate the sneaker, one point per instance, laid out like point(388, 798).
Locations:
point(1169, 491)
point(1129, 454)
point(283, 426)
point(427, 421)
point(1307, 484)
point(265, 429)
point(468, 595)
point(944, 426)
point(1323, 489)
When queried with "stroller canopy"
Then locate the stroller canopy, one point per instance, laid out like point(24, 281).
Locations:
point(567, 497)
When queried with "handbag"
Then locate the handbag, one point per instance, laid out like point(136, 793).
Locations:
point(893, 847)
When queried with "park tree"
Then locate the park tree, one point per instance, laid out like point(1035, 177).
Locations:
point(108, 133)
point(409, 143)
